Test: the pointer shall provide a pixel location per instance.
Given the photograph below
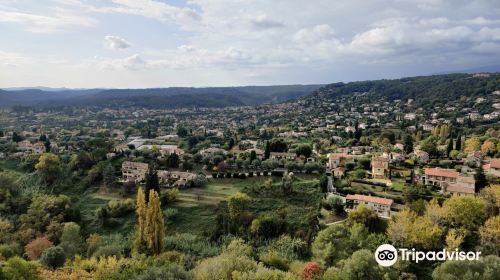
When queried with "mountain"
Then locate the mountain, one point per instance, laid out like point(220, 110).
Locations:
point(174, 97)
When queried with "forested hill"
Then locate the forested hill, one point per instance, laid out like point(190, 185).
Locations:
point(174, 97)
point(437, 90)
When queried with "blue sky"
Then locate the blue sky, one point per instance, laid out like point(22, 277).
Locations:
point(153, 43)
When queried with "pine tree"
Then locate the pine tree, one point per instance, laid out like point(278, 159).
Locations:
point(140, 232)
point(155, 224)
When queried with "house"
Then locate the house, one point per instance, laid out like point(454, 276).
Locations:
point(494, 167)
point(37, 148)
point(286, 156)
point(175, 178)
point(450, 181)
point(213, 151)
point(380, 168)
point(337, 159)
point(258, 152)
point(475, 157)
point(382, 206)
point(338, 172)
point(421, 156)
point(134, 171)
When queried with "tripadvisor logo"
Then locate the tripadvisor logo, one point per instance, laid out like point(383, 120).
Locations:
point(387, 255)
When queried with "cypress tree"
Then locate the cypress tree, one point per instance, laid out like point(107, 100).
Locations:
point(480, 177)
point(140, 233)
point(450, 147)
point(267, 151)
point(458, 144)
point(155, 224)
point(152, 182)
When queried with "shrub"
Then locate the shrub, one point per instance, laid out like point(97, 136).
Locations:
point(170, 213)
point(250, 174)
point(170, 271)
point(119, 208)
point(273, 259)
point(7, 251)
point(17, 268)
point(36, 247)
point(228, 175)
point(53, 257)
point(310, 271)
point(108, 251)
point(169, 196)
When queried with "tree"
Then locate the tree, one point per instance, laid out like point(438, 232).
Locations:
point(472, 144)
point(49, 167)
point(327, 248)
point(486, 268)
point(490, 236)
point(304, 150)
point(36, 247)
point(366, 216)
point(408, 144)
point(488, 148)
point(449, 148)
point(464, 212)
point(480, 178)
point(311, 271)
point(16, 138)
point(140, 229)
point(71, 240)
point(267, 152)
point(173, 160)
point(361, 265)
point(278, 145)
point(182, 132)
point(155, 224)
point(200, 181)
point(53, 257)
point(19, 269)
point(287, 183)
point(458, 142)
point(152, 182)
point(323, 183)
point(108, 175)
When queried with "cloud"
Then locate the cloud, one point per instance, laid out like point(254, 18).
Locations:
point(115, 43)
point(60, 20)
point(263, 22)
point(315, 34)
point(152, 9)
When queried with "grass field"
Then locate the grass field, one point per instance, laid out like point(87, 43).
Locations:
point(197, 207)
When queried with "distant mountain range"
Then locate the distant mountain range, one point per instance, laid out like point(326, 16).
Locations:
point(174, 97)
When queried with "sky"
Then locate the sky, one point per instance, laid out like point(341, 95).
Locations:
point(162, 43)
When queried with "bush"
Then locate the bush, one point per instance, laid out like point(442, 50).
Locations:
point(17, 268)
point(273, 259)
point(119, 208)
point(53, 257)
point(169, 196)
point(228, 175)
point(170, 213)
point(170, 271)
point(7, 251)
point(108, 251)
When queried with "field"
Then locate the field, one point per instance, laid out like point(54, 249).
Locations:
point(196, 208)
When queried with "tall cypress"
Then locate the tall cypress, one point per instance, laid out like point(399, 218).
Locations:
point(140, 231)
point(267, 153)
point(155, 224)
point(458, 144)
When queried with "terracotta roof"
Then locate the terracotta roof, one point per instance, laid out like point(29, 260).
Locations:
point(441, 172)
point(381, 159)
point(495, 163)
point(455, 188)
point(373, 199)
point(339, 155)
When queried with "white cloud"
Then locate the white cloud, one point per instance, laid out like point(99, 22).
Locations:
point(60, 20)
point(115, 43)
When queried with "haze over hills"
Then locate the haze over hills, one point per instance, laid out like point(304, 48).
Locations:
point(173, 97)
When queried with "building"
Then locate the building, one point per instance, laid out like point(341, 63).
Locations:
point(337, 159)
point(381, 206)
point(494, 167)
point(134, 171)
point(286, 156)
point(175, 178)
point(26, 146)
point(380, 168)
point(450, 181)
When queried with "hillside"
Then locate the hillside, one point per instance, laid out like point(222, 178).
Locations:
point(174, 97)
point(425, 91)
